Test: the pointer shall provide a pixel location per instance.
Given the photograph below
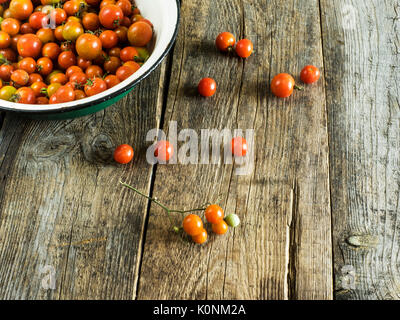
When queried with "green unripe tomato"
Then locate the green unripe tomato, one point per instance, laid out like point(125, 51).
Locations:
point(232, 220)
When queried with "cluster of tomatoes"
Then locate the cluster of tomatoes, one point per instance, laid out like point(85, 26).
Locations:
point(225, 42)
point(193, 225)
point(54, 51)
point(283, 84)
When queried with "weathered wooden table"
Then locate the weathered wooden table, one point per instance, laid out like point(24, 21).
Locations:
point(320, 211)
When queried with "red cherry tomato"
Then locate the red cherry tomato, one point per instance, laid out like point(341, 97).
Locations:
point(282, 85)
point(207, 87)
point(163, 150)
point(225, 41)
point(88, 46)
point(201, 237)
point(65, 94)
point(214, 213)
point(20, 77)
point(95, 86)
point(21, 9)
point(123, 154)
point(244, 48)
point(220, 227)
point(192, 225)
point(29, 45)
point(140, 34)
point(25, 95)
point(310, 74)
point(239, 146)
point(110, 16)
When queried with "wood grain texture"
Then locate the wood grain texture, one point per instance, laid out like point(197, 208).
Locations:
point(61, 204)
point(362, 59)
point(282, 250)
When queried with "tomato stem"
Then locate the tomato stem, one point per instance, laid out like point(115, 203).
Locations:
point(155, 200)
point(298, 87)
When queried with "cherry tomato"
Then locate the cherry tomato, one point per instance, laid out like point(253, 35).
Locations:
point(29, 45)
point(26, 28)
point(67, 46)
point(37, 20)
point(123, 154)
point(225, 41)
point(140, 34)
point(72, 30)
point(52, 88)
point(201, 237)
point(310, 74)
point(71, 70)
point(14, 41)
point(125, 6)
point(45, 35)
point(244, 48)
point(59, 78)
point(21, 9)
point(214, 213)
point(7, 92)
point(5, 40)
point(58, 15)
point(239, 146)
point(66, 59)
point(110, 16)
point(94, 71)
point(129, 53)
point(95, 86)
point(232, 220)
point(78, 79)
point(58, 33)
point(20, 77)
point(10, 26)
point(42, 100)
point(91, 21)
point(25, 95)
point(5, 72)
point(220, 228)
point(83, 63)
point(79, 94)
point(192, 225)
point(28, 64)
point(38, 87)
point(122, 33)
point(282, 85)
point(35, 77)
point(88, 46)
point(112, 64)
point(114, 52)
point(9, 54)
point(133, 65)
point(51, 50)
point(65, 94)
point(163, 150)
point(104, 3)
point(44, 66)
point(124, 72)
point(111, 81)
point(108, 39)
point(207, 87)
point(72, 7)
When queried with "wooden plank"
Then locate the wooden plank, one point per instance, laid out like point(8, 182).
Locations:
point(362, 58)
point(62, 209)
point(282, 250)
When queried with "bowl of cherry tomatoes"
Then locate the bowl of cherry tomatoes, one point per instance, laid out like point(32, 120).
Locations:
point(62, 59)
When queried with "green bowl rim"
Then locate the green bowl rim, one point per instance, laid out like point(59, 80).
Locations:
point(116, 93)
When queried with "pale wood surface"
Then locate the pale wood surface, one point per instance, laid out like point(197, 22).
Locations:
point(362, 59)
point(282, 250)
point(326, 168)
